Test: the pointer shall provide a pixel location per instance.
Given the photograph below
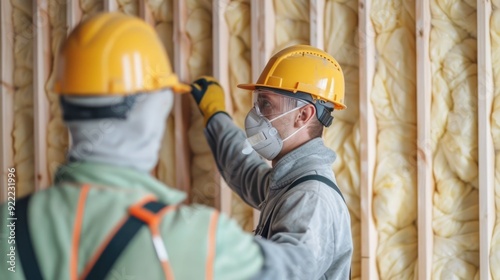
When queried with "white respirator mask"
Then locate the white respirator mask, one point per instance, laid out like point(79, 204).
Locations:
point(262, 136)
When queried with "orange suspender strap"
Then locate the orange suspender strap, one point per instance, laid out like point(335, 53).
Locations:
point(153, 220)
point(144, 213)
point(212, 242)
point(77, 229)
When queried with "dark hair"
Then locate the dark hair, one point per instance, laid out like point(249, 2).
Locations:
point(315, 129)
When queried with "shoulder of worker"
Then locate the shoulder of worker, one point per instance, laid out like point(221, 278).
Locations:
point(312, 158)
point(319, 195)
point(322, 190)
point(313, 204)
point(313, 211)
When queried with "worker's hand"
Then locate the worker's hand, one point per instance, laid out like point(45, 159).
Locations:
point(209, 96)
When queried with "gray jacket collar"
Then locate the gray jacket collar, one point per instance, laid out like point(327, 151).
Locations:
point(311, 156)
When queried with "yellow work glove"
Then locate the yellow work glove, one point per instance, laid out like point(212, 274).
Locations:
point(209, 96)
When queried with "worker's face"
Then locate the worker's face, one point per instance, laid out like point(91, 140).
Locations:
point(272, 113)
point(271, 105)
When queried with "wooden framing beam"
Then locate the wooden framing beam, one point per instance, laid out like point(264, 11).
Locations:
point(368, 141)
point(182, 49)
point(110, 5)
point(147, 16)
point(6, 95)
point(485, 141)
point(73, 14)
point(41, 70)
point(425, 184)
point(316, 23)
point(263, 22)
point(145, 13)
point(220, 35)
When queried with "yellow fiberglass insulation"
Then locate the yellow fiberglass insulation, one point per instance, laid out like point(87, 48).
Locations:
point(495, 131)
point(394, 104)
point(23, 133)
point(454, 139)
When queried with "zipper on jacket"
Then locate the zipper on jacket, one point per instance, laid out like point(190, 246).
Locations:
point(262, 206)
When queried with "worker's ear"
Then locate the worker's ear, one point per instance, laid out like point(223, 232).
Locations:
point(305, 114)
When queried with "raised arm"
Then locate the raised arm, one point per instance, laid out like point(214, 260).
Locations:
point(247, 175)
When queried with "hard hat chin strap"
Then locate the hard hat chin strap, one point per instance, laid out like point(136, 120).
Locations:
point(324, 114)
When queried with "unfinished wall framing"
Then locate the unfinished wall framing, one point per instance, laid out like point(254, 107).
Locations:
point(418, 147)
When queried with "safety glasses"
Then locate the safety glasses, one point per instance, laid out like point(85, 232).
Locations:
point(270, 104)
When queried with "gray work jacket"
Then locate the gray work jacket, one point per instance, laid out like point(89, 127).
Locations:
point(310, 221)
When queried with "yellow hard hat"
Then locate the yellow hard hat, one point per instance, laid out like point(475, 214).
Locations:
point(114, 54)
point(306, 69)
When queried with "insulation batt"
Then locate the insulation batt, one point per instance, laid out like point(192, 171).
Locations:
point(162, 13)
point(292, 23)
point(57, 134)
point(454, 139)
point(90, 7)
point(393, 99)
point(22, 133)
point(237, 17)
point(341, 41)
point(204, 187)
point(495, 131)
point(129, 7)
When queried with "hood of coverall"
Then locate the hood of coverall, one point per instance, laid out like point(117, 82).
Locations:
point(133, 141)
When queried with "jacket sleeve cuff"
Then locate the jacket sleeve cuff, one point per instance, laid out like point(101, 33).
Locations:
point(217, 113)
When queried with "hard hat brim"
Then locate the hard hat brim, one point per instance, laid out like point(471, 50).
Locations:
point(248, 86)
point(337, 106)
